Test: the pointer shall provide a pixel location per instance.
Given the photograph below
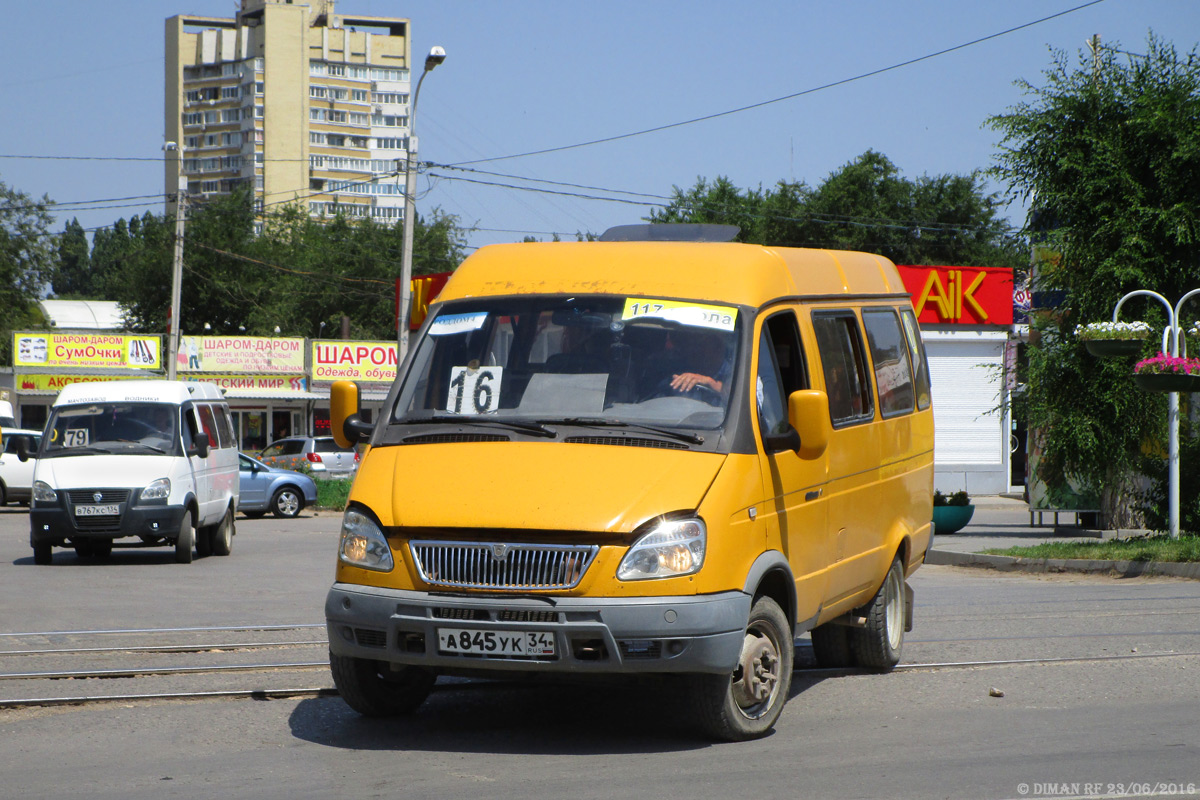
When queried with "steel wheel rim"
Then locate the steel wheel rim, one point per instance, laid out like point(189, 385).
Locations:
point(894, 611)
point(756, 681)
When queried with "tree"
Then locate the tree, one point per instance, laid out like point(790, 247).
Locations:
point(1109, 150)
point(865, 205)
point(73, 273)
point(26, 258)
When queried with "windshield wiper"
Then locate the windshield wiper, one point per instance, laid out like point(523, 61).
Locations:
point(601, 422)
point(535, 428)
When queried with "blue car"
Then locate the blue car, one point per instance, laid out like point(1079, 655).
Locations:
point(282, 492)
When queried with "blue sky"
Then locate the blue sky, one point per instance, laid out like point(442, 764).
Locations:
point(85, 78)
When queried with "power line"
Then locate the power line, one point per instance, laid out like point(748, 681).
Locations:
point(794, 95)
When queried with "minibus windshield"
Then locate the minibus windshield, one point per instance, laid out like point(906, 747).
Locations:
point(600, 361)
point(120, 427)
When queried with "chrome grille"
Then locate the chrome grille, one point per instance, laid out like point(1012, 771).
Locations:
point(87, 496)
point(497, 565)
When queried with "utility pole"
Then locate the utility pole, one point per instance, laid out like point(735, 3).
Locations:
point(177, 266)
point(1094, 45)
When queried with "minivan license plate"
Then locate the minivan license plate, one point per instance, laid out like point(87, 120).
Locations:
point(97, 511)
point(515, 644)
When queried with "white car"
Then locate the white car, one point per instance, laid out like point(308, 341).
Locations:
point(16, 476)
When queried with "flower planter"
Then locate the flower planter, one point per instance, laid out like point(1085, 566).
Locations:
point(1168, 381)
point(951, 519)
point(1114, 347)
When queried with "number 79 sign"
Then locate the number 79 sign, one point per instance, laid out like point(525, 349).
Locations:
point(474, 391)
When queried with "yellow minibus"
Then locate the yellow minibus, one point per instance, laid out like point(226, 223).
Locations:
point(660, 452)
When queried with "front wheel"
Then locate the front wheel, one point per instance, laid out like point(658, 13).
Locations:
point(287, 503)
point(374, 689)
point(746, 704)
point(877, 645)
point(43, 554)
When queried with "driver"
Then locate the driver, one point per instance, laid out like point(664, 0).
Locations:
point(695, 358)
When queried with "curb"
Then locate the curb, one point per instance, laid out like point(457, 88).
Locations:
point(1125, 569)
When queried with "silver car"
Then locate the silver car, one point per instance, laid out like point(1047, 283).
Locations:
point(262, 488)
point(326, 459)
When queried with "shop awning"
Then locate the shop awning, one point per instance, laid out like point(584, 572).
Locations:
point(251, 393)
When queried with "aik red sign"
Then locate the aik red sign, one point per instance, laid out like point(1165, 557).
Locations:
point(960, 295)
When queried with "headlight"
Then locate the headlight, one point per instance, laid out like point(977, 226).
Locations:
point(42, 493)
point(363, 544)
point(673, 547)
point(159, 490)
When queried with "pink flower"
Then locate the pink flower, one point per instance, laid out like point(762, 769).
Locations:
point(1168, 365)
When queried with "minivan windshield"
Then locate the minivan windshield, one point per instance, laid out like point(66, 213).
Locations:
point(587, 360)
point(120, 427)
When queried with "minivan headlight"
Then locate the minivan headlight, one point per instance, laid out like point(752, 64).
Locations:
point(159, 490)
point(671, 548)
point(42, 493)
point(363, 544)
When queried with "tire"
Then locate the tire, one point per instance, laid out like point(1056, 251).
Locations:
point(831, 646)
point(187, 538)
point(287, 502)
point(102, 549)
point(83, 548)
point(746, 704)
point(877, 645)
point(253, 514)
point(221, 535)
point(3, 494)
point(372, 689)
point(43, 554)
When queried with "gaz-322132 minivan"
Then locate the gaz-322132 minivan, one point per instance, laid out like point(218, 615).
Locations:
point(640, 455)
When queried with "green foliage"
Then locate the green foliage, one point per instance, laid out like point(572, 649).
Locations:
point(333, 494)
point(1151, 548)
point(73, 276)
point(294, 273)
point(26, 259)
point(959, 498)
point(1112, 155)
point(866, 205)
point(1153, 501)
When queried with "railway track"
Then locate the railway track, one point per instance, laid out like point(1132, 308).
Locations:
point(76, 667)
point(266, 662)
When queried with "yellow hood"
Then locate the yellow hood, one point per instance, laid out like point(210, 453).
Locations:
point(534, 485)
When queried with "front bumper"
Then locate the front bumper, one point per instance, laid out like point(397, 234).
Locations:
point(55, 524)
point(701, 634)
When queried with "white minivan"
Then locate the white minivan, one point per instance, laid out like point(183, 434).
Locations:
point(151, 462)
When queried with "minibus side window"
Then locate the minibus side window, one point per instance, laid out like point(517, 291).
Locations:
point(840, 345)
point(889, 356)
point(210, 426)
point(781, 371)
point(916, 349)
point(224, 427)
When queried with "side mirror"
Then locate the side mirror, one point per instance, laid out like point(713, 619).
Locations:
point(808, 414)
point(202, 445)
point(345, 421)
point(21, 447)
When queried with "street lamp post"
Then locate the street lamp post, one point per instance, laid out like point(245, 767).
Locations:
point(1172, 338)
point(436, 56)
point(177, 265)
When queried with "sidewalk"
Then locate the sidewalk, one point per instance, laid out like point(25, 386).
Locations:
point(1001, 522)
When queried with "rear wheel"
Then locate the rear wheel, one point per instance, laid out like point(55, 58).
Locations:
point(287, 502)
point(222, 535)
point(831, 646)
point(373, 689)
point(43, 554)
point(745, 704)
point(187, 538)
point(3, 494)
point(877, 645)
point(83, 548)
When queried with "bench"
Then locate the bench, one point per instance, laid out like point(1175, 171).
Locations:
point(1056, 511)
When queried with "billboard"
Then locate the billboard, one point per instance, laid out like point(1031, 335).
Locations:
point(87, 350)
point(241, 354)
point(340, 360)
point(960, 295)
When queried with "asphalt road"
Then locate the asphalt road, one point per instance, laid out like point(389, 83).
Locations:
point(1098, 678)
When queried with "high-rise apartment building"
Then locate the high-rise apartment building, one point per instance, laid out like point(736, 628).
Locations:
point(302, 104)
